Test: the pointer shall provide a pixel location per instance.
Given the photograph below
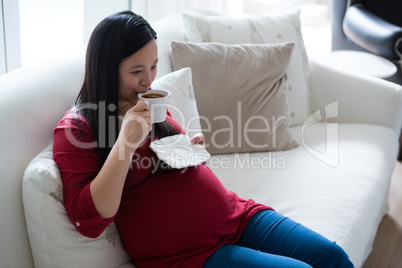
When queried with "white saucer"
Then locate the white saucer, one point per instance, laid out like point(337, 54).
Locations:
point(178, 152)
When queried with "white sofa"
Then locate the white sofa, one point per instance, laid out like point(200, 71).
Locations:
point(343, 200)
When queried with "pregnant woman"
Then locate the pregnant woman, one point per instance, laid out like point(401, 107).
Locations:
point(166, 217)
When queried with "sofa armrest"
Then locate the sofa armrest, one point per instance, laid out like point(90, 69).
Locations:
point(373, 33)
point(361, 98)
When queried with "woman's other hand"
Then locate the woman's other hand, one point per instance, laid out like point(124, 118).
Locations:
point(198, 139)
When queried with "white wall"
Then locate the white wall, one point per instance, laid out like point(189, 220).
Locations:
point(10, 52)
point(153, 10)
point(96, 10)
point(2, 47)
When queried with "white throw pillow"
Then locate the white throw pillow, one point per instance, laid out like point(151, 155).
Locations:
point(182, 104)
point(261, 29)
point(54, 240)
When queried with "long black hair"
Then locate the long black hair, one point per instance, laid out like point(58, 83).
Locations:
point(115, 38)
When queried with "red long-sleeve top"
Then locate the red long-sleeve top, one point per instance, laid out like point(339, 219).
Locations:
point(166, 219)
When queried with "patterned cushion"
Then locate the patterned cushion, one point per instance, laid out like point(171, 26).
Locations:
point(261, 29)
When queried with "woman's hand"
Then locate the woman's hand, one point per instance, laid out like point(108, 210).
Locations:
point(137, 123)
point(198, 139)
point(107, 187)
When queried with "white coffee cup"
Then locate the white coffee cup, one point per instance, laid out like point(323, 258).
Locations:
point(157, 99)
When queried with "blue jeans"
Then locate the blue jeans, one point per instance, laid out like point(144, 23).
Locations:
point(272, 240)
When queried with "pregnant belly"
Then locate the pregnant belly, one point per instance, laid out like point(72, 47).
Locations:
point(177, 213)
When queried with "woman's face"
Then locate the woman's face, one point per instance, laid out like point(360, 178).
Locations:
point(136, 74)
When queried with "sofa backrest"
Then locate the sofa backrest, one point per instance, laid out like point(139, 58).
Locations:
point(32, 101)
point(167, 30)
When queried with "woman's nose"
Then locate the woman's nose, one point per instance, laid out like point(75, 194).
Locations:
point(146, 78)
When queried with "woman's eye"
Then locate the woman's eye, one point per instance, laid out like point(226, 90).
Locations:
point(154, 67)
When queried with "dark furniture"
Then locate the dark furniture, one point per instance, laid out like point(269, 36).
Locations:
point(373, 26)
point(400, 148)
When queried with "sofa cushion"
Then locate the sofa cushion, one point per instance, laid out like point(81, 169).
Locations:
point(54, 240)
point(241, 92)
point(344, 201)
point(260, 29)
